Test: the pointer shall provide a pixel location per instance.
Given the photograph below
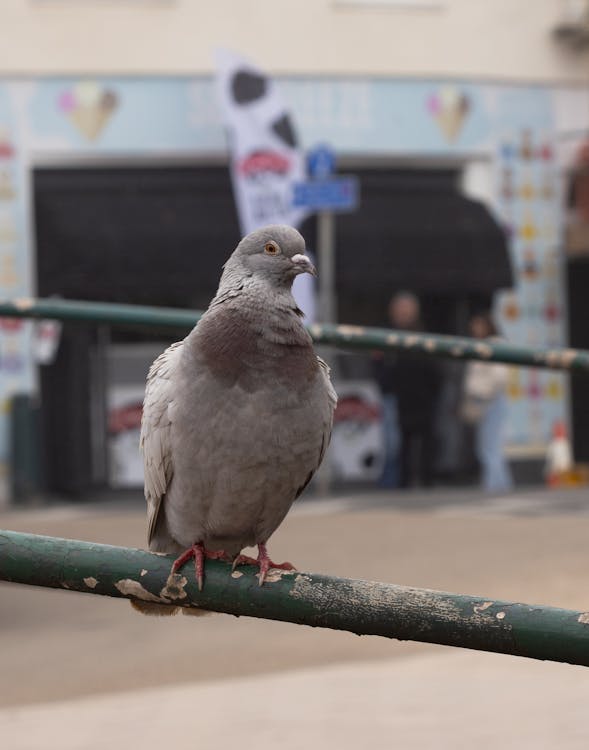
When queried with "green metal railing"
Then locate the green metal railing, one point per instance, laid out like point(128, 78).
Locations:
point(361, 607)
point(345, 336)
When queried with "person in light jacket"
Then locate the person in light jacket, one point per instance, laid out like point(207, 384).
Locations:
point(485, 406)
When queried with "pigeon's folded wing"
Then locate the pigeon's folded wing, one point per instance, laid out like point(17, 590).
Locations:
point(327, 425)
point(331, 394)
point(331, 404)
point(155, 432)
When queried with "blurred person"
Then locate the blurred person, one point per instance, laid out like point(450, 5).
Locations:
point(484, 405)
point(409, 384)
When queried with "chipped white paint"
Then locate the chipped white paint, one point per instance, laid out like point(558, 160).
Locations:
point(236, 574)
point(174, 588)
point(500, 615)
point(274, 575)
point(478, 608)
point(484, 350)
point(24, 303)
point(558, 357)
point(129, 587)
point(90, 582)
point(583, 618)
point(350, 330)
point(143, 572)
point(568, 357)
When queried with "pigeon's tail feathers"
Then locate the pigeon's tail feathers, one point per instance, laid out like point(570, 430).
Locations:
point(166, 610)
point(161, 540)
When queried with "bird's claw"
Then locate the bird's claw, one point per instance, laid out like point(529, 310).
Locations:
point(267, 565)
point(200, 554)
point(263, 562)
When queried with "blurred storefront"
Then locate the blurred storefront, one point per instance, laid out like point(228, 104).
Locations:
point(117, 190)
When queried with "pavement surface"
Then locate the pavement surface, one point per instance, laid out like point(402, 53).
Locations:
point(85, 672)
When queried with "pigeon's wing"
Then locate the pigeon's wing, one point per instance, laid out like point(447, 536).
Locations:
point(327, 424)
point(332, 403)
point(155, 432)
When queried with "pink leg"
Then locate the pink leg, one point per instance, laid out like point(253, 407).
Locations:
point(266, 563)
point(199, 553)
point(263, 562)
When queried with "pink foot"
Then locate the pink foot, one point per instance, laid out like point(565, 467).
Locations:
point(263, 562)
point(200, 554)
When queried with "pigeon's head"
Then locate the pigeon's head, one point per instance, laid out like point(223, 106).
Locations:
point(275, 252)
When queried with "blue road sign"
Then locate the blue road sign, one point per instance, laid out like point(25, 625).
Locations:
point(321, 162)
point(336, 194)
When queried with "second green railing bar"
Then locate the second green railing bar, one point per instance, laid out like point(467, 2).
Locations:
point(343, 336)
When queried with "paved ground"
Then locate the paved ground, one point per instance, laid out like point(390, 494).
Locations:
point(80, 671)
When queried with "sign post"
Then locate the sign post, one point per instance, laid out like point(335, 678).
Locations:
point(326, 194)
point(326, 252)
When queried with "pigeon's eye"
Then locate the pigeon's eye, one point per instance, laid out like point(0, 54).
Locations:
point(271, 248)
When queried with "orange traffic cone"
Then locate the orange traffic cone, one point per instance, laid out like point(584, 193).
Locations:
point(559, 458)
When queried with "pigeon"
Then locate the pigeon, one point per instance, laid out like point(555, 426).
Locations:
point(237, 417)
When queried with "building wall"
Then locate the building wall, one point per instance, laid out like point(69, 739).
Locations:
point(498, 39)
point(507, 130)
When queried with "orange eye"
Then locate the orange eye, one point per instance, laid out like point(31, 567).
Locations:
point(271, 248)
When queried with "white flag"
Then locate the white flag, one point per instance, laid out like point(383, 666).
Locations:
point(265, 158)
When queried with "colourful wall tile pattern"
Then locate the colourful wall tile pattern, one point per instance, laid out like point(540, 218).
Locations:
point(533, 314)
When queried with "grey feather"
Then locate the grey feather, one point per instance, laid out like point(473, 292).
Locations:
point(237, 417)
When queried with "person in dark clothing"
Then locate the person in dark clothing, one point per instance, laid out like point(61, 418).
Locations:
point(411, 382)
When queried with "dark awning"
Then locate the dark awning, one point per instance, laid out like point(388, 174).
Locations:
point(415, 231)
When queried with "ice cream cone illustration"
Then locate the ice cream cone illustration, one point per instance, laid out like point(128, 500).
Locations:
point(529, 268)
point(534, 385)
point(511, 310)
point(449, 108)
point(514, 387)
point(528, 230)
point(554, 388)
point(89, 107)
point(552, 308)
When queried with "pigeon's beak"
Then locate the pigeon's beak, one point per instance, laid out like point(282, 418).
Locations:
point(302, 264)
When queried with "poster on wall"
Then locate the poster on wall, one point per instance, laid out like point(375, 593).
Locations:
point(357, 438)
point(124, 408)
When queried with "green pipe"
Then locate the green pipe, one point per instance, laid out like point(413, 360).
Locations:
point(361, 607)
point(344, 336)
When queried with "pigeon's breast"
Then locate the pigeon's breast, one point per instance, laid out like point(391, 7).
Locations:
point(242, 450)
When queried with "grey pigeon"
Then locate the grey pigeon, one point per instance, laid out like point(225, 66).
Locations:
point(238, 415)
